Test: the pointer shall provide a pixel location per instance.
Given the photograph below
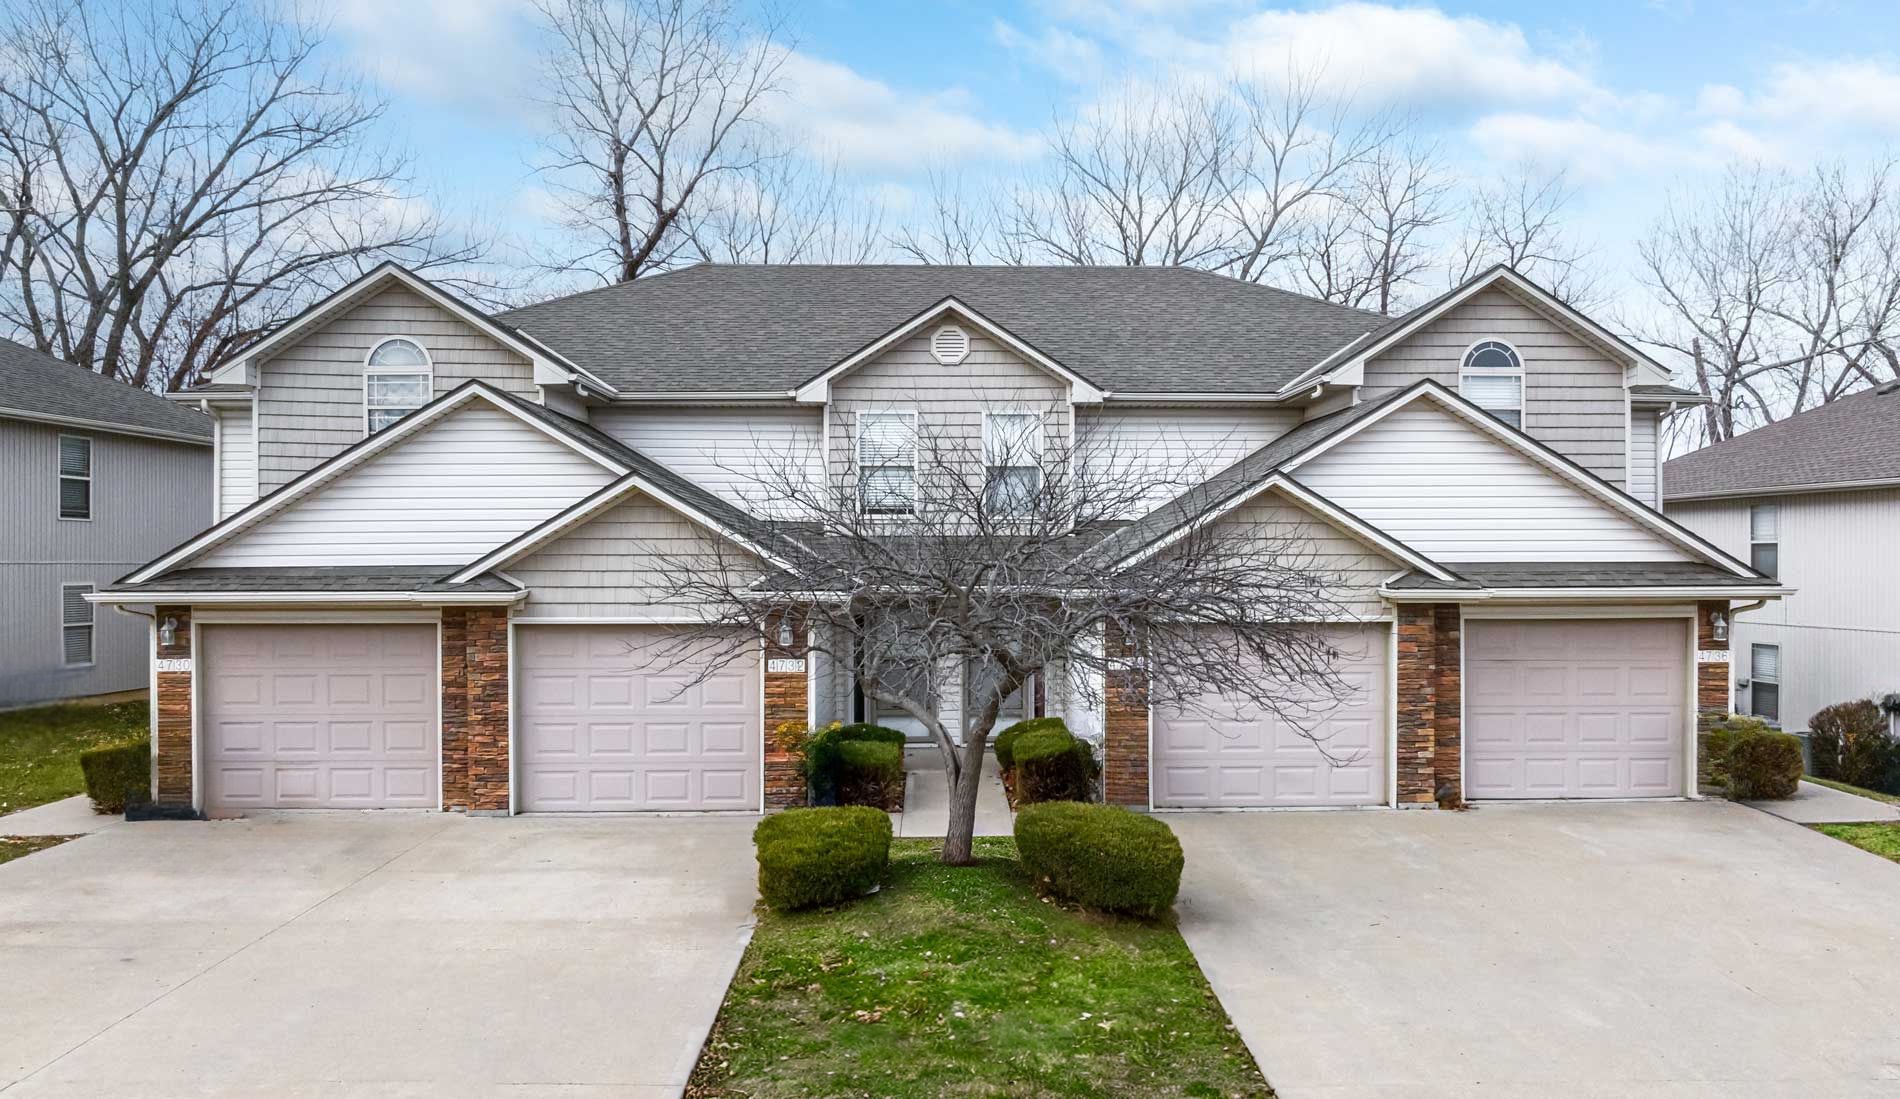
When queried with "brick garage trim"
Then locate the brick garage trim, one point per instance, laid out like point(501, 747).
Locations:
point(1125, 727)
point(174, 721)
point(1713, 697)
point(787, 701)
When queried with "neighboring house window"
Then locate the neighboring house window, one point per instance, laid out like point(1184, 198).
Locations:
point(75, 477)
point(1012, 460)
point(1764, 538)
point(1764, 682)
point(1492, 377)
point(75, 625)
point(396, 382)
point(887, 462)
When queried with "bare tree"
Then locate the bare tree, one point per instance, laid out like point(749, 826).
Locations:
point(786, 210)
point(954, 227)
point(1779, 292)
point(1518, 221)
point(178, 178)
point(944, 574)
point(1373, 242)
point(655, 104)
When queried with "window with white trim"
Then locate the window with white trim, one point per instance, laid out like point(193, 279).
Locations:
point(1764, 682)
point(887, 462)
point(396, 382)
point(75, 625)
point(75, 477)
point(1764, 538)
point(1012, 462)
point(1492, 377)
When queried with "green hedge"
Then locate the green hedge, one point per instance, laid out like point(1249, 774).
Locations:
point(1005, 741)
point(1100, 856)
point(871, 772)
point(1051, 764)
point(1751, 760)
point(118, 775)
point(823, 759)
point(811, 857)
point(1850, 743)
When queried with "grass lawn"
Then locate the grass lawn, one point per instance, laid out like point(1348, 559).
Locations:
point(1846, 789)
point(39, 748)
point(12, 847)
point(960, 981)
point(1881, 837)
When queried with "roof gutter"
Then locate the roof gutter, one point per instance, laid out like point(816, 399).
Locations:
point(1458, 595)
point(105, 426)
point(1781, 490)
point(113, 598)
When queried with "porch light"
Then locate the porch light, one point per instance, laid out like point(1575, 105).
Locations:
point(1718, 626)
point(168, 633)
point(784, 632)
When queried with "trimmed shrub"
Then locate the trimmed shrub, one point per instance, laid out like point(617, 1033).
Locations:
point(1764, 765)
point(117, 775)
point(871, 772)
point(876, 734)
point(1851, 744)
point(821, 760)
point(1053, 765)
point(1100, 856)
point(1004, 742)
point(811, 857)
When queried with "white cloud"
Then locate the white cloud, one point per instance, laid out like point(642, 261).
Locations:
point(1071, 56)
point(1590, 151)
point(867, 124)
point(474, 54)
point(1846, 94)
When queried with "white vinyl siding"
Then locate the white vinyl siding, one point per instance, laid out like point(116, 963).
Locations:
point(1435, 483)
point(618, 565)
point(75, 625)
point(464, 485)
point(75, 477)
point(748, 455)
point(1644, 455)
point(237, 460)
point(1168, 450)
point(1574, 398)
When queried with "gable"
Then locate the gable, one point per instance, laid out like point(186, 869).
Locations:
point(615, 565)
point(1574, 396)
point(475, 478)
point(1357, 567)
point(310, 390)
point(1455, 493)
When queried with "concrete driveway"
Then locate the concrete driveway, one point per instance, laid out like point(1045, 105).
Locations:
point(1628, 950)
point(371, 955)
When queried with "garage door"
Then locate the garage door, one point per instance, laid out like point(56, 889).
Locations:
point(319, 717)
point(1575, 709)
point(609, 720)
point(1219, 755)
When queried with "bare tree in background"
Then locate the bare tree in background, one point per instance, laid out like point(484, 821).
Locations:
point(1779, 292)
point(1374, 241)
point(954, 228)
point(1519, 221)
point(657, 108)
point(944, 574)
point(178, 178)
point(788, 209)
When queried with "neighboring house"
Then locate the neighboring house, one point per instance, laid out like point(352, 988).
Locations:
point(100, 476)
point(1813, 500)
point(440, 526)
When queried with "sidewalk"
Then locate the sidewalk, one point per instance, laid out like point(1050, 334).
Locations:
point(1817, 804)
point(71, 816)
point(927, 798)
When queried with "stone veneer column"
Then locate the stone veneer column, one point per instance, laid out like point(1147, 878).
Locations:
point(787, 702)
point(487, 715)
point(1713, 697)
point(1417, 704)
point(454, 708)
point(171, 777)
point(1125, 727)
point(1447, 706)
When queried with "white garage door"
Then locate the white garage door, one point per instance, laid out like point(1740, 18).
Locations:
point(609, 720)
point(1575, 709)
point(319, 717)
point(1216, 755)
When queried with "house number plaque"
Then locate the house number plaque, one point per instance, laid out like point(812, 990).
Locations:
point(174, 664)
point(1711, 656)
point(785, 664)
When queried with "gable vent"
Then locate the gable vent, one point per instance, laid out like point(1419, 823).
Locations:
point(950, 345)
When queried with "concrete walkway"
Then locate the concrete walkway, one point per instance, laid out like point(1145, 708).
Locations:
point(372, 954)
point(71, 816)
point(1674, 950)
point(1818, 804)
point(927, 798)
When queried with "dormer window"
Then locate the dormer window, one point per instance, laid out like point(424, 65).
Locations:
point(396, 382)
point(1492, 377)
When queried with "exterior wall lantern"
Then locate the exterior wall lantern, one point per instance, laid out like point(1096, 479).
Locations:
point(168, 633)
point(784, 631)
point(1718, 626)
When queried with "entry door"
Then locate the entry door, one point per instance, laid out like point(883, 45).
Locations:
point(1586, 708)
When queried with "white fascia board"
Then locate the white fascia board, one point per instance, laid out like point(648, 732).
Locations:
point(104, 427)
point(1562, 468)
point(1557, 595)
point(818, 390)
point(329, 471)
point(486, 598)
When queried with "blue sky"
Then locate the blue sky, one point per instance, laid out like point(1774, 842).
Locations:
point(1632, 98)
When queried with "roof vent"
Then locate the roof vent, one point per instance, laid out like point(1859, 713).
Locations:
point(950, 345)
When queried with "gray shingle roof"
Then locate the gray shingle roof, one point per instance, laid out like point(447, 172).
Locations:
point(1854, 439)
point(1667, 393)
point(1582, 574)
point(36, 386)
point(315, 578)
point(718, 327)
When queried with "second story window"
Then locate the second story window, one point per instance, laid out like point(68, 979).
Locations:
point(1492, 377)
point(1012, 461)
point(1764, 538)
point(887, 462)
point(396, 382)
point(75, 477)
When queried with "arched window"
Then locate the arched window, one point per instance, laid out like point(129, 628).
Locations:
point(396, 382)
point(1492, 377)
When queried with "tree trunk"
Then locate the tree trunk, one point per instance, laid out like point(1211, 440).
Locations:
point(964, 784)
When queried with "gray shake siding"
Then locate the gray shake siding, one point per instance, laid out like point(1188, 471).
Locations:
point(1574, 398)
point(147, 495)
point(616, 566)
point(310, 394)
